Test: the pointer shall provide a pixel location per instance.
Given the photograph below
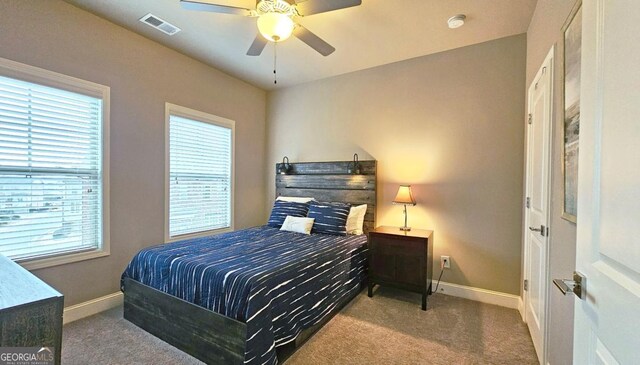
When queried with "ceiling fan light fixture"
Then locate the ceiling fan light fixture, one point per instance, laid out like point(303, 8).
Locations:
point(275, 27)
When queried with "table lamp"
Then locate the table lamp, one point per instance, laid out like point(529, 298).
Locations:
point(404, 197)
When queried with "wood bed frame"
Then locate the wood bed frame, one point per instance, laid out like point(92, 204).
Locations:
point(214, 338)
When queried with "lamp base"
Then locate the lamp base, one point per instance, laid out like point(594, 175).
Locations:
point(405, 228)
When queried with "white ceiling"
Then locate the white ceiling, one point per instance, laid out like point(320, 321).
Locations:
point(376, 33)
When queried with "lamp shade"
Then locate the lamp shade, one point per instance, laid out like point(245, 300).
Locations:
point(404, 196)
point(275, 27)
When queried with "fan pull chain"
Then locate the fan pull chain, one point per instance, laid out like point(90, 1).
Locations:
point(275, 59)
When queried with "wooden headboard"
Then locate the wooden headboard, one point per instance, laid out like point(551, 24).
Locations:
point(331, 182)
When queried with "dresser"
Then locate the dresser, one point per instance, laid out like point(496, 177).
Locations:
point(30, 310)
point(402, 259)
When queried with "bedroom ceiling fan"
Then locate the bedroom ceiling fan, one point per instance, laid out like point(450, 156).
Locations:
point(276, 19)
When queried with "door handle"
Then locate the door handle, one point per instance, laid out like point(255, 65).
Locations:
point(542, 230)
point(577, 286)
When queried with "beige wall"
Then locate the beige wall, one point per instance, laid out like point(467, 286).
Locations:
point(143, 75)
point(545, 30)
point(450, 124)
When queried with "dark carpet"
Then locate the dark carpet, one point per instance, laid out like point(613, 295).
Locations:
point(389, 328)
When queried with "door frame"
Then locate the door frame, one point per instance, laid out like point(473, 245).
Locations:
point(546, 66)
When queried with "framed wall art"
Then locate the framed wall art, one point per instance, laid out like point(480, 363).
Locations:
point(571, 118)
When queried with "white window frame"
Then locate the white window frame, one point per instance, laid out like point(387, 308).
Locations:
point(56, 80)
point(180, 111)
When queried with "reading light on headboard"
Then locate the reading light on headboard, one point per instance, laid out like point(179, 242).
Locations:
point(285, 166)
point(354, 167)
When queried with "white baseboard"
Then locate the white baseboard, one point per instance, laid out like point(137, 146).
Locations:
point(521, 308)
point(480, 295)
point(91, 307)
point(95, 306)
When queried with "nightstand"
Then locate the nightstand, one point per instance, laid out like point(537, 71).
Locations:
point(401, 259)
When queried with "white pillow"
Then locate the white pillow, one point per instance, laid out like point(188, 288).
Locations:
point(294, 199)
point(355, 221)
point(297, 224)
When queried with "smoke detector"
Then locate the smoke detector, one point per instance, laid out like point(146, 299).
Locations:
point(456, 21)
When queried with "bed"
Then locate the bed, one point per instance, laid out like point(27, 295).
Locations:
point(241, 297)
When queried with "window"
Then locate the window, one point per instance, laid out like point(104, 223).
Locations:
point(199, 172)
point(52, 174)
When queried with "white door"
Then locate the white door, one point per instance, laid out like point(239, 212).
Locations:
point(607, 322)
point(537, 214)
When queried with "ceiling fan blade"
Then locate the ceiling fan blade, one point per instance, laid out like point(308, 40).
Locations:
point(257, 46)
point(310, 7)
point(215, 8)
point(313, 40)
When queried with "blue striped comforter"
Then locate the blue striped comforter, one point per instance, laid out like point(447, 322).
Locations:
point(277, 282)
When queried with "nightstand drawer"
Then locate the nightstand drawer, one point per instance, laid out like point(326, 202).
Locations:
point(398, 246)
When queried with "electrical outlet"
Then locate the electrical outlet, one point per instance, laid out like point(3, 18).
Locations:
point(445, 262)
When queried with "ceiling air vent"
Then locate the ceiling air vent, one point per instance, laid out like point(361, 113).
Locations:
point(159, 24)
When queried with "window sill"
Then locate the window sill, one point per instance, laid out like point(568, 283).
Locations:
point(198, 234)
point(41, 263)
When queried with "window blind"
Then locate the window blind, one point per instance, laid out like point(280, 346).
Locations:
point(50, 170)
point(199, 176)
